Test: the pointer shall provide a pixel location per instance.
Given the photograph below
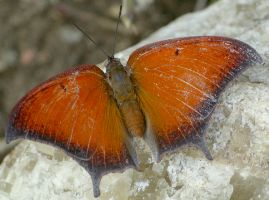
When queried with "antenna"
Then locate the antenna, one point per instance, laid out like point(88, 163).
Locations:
point(92, 40)
point(116, 32)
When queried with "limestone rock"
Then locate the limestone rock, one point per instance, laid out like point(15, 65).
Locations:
point(238, 133)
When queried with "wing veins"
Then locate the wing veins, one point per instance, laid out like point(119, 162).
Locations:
point(187, 83)
point(190, 70)
point(185, 104)
point(179, 90)
point(217, 68)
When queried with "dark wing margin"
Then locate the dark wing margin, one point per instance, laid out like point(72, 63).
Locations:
point(178, 83)
point(73, 111)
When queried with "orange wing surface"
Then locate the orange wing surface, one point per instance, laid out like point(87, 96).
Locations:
point(178, 83)
point(74, 111)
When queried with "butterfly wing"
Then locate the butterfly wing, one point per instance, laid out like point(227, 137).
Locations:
point(178, 83)
point(74, 111)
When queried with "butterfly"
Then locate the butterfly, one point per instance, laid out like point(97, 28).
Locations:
point(165, 94)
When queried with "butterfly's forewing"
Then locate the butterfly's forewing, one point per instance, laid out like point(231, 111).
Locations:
point(178, 83)
point(74, 111)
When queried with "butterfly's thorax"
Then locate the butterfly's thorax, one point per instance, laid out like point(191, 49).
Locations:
point(125, 96)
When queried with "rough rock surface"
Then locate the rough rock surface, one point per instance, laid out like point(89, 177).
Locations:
point(238, 133)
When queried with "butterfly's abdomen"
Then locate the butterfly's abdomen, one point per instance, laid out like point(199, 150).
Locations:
point(133, 118)
point(125, 96)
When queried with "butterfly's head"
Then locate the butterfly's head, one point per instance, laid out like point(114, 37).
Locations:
point(115, 71)
point(118, 78)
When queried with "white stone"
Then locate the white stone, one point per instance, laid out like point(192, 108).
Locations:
point(238, 133)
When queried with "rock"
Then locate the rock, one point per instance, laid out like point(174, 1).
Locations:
point(238, 133)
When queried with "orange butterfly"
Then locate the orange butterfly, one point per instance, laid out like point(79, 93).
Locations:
point(166, 94)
